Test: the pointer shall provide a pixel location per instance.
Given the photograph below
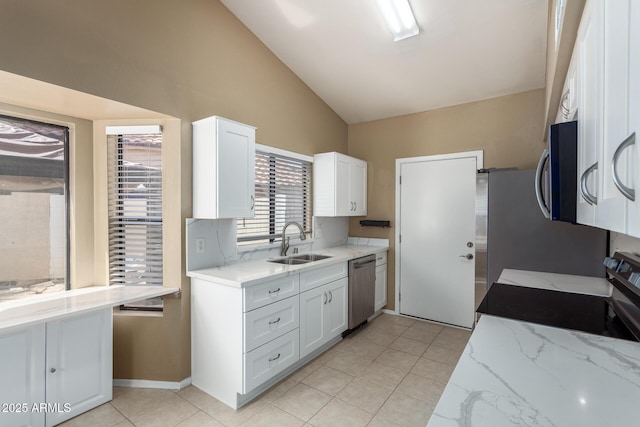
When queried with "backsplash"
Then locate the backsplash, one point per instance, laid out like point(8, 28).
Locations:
point(220, 241)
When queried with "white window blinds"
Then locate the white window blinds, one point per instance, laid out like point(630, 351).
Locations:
point(282, 194)
point(135, 209)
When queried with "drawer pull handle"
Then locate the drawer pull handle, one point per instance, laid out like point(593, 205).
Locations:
point(330, 296)
point(325, 298)
point(274, 291)
point(273, 322)
point(271, 359)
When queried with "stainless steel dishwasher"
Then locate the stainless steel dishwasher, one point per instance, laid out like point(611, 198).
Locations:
point(362, 286)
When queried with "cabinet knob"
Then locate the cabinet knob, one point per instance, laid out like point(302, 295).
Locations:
point(52, 370)
point(467, 256)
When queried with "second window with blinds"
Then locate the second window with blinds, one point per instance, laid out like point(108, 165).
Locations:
point(282, 194)
point(135, 209)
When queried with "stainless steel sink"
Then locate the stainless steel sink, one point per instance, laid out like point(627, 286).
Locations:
point(289, 261)
point(311, 257)
point(299, 259)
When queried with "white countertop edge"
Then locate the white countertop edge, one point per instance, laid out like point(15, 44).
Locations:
point(244, 274)
point(73, 302)
point(586, 285)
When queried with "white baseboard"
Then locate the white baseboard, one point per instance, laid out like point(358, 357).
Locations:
point(164, 385)
point(395, 313)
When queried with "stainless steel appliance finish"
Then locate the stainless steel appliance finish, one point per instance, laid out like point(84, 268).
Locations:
point(520, 237)
point(362, 286)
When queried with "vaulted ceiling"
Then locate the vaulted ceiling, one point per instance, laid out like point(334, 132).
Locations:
point(467, 50)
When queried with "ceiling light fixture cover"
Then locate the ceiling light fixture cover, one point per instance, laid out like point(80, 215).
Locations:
point(399, 18)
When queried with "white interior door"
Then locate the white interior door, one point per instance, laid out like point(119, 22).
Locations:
point(436, 242)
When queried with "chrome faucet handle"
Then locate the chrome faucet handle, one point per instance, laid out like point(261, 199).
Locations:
point(285, 246)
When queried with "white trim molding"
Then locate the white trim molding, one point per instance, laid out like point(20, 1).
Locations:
point(162, 385)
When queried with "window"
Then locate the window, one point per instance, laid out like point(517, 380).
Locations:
point(34, 225)
point(283, 194)
point(135, 207)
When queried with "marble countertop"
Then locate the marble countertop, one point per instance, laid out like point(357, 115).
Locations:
point(29, 311)
point(515, 373)
point(243, 274)
point(560, 282)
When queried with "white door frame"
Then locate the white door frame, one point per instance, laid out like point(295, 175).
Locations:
point(479, 156)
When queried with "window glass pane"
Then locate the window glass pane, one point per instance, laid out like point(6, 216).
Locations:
point(135, 209)
point(282, 194)
point(33, 208)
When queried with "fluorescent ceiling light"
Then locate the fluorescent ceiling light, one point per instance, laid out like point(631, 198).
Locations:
point(399, 17)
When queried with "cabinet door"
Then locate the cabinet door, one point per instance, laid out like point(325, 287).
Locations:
point(344, 204)
point(589, 46)
point(236, 169)
point(78, 364)
point(358, 187)
point(22, 359)
point(633, 152)
point(381, 287)
point(611, 210)
point(336, 318)
point(312, 319)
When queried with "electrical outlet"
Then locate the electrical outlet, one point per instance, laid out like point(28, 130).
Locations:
point(199, 246)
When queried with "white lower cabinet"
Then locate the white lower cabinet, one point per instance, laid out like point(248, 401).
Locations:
point(56, 370)
point(264, 362)
point(381, 282)
point(245, 339)
point(323, 315)
point(22, 362)
point(79, 364)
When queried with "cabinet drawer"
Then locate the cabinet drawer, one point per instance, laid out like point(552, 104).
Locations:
point(381, 258)
point(270, 359)
point(319, 276)
point(269, 322)
point(270, 291)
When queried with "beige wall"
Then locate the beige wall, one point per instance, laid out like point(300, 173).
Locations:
point(506, 128)
point(188, 59)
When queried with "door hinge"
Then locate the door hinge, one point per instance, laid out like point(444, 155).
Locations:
point(399, 238)
point(400, 179)
point(399, 297)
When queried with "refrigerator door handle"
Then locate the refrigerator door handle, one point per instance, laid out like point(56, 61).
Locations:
point(539, 195)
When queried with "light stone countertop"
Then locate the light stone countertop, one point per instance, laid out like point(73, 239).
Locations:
point(559, 282)
point(515, 373)
point(243, 274)
point(45, 308)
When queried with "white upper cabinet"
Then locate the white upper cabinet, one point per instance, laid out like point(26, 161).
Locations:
point(632, 153)
point(223, 169)
point(339, 185)
point(611, 210)
point(607, 52)
point(588, 55)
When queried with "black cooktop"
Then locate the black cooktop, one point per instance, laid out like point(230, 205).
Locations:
point(586, 313)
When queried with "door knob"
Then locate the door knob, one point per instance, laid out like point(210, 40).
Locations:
point(467, 256)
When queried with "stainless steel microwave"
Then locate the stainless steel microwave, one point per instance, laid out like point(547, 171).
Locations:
point(556, 176)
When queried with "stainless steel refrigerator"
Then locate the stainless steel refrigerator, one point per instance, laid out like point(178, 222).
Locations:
point(513, 233)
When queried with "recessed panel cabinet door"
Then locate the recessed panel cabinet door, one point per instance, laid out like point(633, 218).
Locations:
point(633, 152)
point(22, 376)
point(312, 320)
point(358, 187)
point(589, 47)
point(337, 308)
point(236, 170)
point(78, 364)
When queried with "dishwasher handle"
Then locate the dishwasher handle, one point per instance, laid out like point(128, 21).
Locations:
point(357, 265)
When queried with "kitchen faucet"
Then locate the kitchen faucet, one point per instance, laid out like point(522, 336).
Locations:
point(285, 243)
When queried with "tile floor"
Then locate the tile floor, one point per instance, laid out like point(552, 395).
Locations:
point(390, 373)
